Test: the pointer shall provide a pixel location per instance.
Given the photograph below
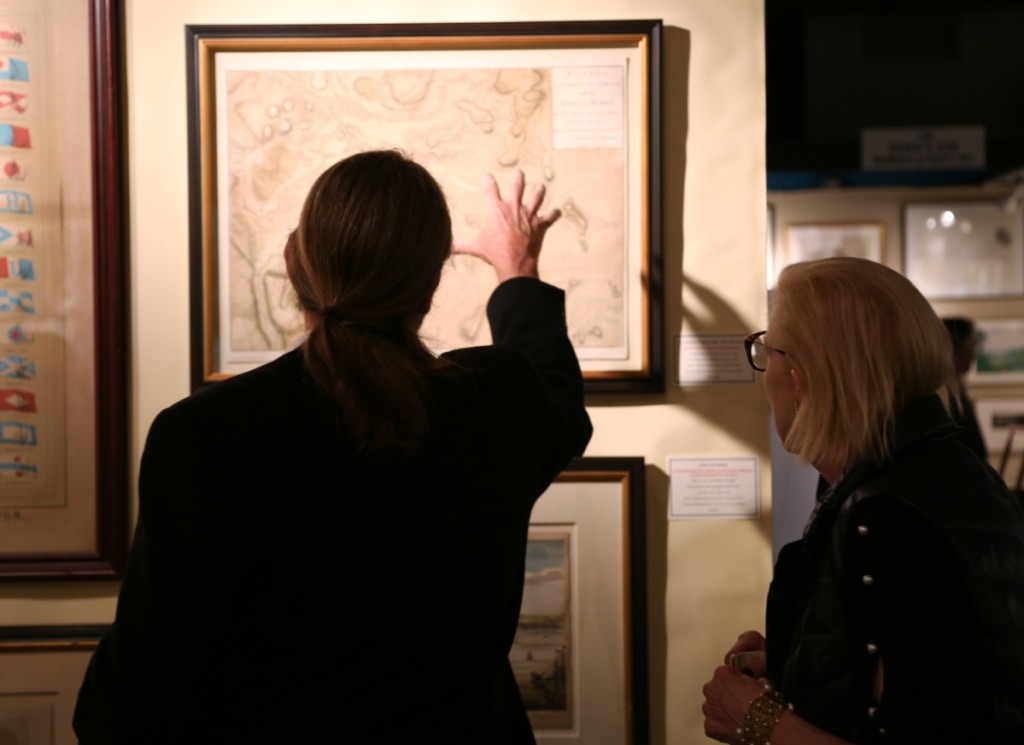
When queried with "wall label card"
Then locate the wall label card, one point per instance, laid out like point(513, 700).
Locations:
point(707, 359)
point(713, 488)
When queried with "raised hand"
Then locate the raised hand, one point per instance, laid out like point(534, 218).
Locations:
point(512, 232)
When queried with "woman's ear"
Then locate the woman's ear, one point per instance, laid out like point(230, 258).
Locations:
point(799, 385)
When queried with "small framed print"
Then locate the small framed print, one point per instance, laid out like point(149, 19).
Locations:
point(810, 241)
point(998, 352)
point(997, 419)
point(41, 670)
point(964, 249)
point(580, 655)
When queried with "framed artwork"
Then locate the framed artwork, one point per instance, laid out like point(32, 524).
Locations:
point(580, 655)
point(41, 670)
point(997, 417)
point(999, 352)
point(575, 106)
point(964, 249)
point(63, 382)
point(810, 241)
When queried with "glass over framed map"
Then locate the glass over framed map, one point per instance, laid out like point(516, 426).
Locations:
point(573, 105)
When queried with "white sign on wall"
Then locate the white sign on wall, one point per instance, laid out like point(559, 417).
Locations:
point(710, 488)
point(924, 149)
point(703, 359)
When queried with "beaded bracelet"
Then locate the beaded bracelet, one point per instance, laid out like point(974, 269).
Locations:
point(764, 713)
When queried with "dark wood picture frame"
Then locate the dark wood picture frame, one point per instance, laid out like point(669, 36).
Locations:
point(641, 368)
point(108, 490)
point(601, 501)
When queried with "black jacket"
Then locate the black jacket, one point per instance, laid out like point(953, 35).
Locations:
point(280, 588)
point(920, 562)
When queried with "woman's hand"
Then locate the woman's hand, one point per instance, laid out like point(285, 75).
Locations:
point(747, 654)
point(727, 697)
point(512, 232)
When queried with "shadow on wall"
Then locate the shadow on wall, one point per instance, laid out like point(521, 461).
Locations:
point(714, 404)
point(675, 123)
point(727, 402)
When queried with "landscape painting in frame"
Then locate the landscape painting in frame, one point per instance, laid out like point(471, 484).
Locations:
point(541, 655)
point(999, 352)
point(583, 614)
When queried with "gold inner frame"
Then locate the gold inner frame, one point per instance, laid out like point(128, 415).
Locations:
point(208, 49)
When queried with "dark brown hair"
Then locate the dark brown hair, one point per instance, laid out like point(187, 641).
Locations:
point(365, 260)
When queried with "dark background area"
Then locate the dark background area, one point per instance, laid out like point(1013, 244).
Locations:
point(835, 67)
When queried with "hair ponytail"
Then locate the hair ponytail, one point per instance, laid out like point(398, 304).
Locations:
point(365, 260)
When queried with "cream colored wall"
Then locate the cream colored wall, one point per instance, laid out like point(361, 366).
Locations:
point(708, 578)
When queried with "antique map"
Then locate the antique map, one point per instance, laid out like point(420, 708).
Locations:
point(563, 125)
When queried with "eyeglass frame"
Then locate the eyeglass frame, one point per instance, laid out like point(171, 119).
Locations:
point(748, 344)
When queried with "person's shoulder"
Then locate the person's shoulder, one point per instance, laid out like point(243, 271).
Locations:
point(956, 499)
point(477, 359)
point(491, 360)
point(496, 365)
point(242, 395)
point(491, 376)
point(899, 516)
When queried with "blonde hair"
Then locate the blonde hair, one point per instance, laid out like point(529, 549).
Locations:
point(867, 344)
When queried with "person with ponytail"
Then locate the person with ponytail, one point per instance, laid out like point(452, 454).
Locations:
point(330, 548)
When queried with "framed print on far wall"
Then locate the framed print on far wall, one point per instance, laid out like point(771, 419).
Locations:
point(575, 105)
point(63, 380)
point(999, 351)
point(964, 249)
point(41, 670)
point(810, 241)
point(580, 655)
point(997, 417)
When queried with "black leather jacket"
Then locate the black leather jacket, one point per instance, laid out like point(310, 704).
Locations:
point(917, 562)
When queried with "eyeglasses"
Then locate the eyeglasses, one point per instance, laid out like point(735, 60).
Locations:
point(757, 351)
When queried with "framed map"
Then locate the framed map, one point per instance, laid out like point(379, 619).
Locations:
point(573, 105)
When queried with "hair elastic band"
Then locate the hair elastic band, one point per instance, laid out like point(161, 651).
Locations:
point(335, 315)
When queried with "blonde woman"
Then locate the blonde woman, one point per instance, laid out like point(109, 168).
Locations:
point(899, 616)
